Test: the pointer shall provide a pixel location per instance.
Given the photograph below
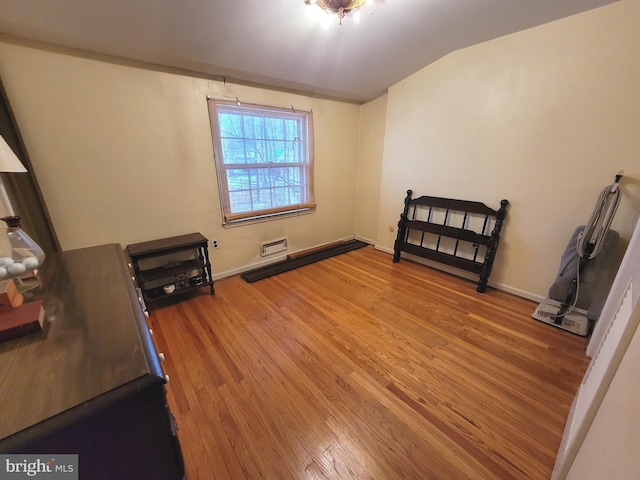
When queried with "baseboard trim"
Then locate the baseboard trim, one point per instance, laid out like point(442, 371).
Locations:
point(461, 273)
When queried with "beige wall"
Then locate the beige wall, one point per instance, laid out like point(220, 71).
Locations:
point(544, 118)
point(372, 125)
point(124, 154)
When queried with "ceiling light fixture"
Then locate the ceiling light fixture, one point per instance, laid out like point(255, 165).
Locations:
point(341, 8)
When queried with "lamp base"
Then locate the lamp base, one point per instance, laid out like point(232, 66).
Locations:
point(27, 284)
point(10, 296)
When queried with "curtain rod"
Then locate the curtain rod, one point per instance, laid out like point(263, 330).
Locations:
point(239, 103)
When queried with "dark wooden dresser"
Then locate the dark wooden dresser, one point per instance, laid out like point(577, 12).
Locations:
point(91, 382)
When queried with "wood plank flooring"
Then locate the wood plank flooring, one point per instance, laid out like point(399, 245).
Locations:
point(358, 368)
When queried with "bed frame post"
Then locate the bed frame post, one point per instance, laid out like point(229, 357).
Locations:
point(492, 247)
point(402, 228)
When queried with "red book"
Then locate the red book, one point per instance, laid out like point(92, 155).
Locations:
point(21, 320)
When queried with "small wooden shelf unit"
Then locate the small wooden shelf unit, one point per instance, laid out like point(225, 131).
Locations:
point(181, 261)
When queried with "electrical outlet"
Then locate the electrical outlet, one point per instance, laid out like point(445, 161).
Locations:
point(214, 244)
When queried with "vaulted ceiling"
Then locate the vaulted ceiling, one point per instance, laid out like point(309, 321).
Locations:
point(280, 43)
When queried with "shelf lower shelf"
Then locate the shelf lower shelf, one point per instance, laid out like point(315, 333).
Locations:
point(156, 294)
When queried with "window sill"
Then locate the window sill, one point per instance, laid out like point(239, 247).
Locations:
point(267, 218)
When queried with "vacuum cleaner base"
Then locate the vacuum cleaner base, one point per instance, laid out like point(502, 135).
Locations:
point(575, 321)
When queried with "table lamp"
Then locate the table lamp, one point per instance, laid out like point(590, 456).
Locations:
point(8, 163)
point(26, 255)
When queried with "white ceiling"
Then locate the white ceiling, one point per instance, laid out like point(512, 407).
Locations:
point(278, 42)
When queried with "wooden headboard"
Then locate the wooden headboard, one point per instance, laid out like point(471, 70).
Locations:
point(459, 233)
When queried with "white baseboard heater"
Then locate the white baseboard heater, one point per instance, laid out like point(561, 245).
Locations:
point(276, 246)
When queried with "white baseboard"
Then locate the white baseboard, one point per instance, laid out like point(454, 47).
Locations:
point(461, 273)
point(384, 249)
point(246, 268)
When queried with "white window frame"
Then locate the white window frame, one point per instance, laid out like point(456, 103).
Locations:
point(246, 197)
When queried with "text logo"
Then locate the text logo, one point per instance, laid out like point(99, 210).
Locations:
point(43, 467)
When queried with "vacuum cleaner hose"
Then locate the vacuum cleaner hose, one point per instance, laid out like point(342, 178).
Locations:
point(591, 241)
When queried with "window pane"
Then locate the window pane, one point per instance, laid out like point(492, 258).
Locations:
point(253, 127)
point(295, 194)
point(237, 179)
point(233, 151)
point(274, 128)
point(296, 151)
point(240, 201)
point(281, 197)
point(261, 199)
point(230, 125)
point(275, 149)
point(291, 129)
point(259, 178)
point(280, 177)
point(255, 151)
point(295, 175)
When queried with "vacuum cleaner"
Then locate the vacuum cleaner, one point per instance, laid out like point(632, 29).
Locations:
point(586, 270)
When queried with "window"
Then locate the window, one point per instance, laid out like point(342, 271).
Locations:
point(264, 159)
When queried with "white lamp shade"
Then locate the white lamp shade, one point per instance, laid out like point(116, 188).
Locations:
point(8, 160)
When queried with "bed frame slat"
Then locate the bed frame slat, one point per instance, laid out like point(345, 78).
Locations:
point(447, 231)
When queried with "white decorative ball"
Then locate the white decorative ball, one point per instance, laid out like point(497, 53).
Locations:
point(30, 263)
point(6, 261)
point(16, 269)
point(3, 273)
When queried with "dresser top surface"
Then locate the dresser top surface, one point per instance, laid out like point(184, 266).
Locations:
point(90, 343)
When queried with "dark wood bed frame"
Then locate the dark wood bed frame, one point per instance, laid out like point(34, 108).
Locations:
point(427, 228)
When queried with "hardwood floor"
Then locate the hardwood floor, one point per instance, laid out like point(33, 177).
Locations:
point(356, 367)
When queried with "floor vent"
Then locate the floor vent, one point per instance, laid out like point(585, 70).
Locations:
point(273, 247)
